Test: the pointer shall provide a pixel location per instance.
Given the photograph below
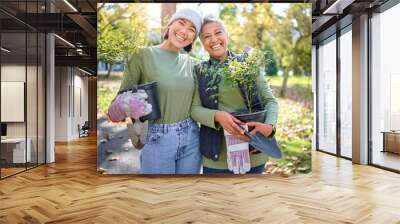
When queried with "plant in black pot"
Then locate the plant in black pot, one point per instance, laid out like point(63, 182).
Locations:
point(243, 71)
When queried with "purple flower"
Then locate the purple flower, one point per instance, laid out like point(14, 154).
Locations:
point(247, 50)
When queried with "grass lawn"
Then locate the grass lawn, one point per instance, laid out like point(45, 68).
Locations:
point(294, 133)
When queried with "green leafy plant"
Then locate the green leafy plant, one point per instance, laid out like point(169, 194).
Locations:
point(243, 71)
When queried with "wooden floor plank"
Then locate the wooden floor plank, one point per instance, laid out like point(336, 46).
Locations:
point(70, 191)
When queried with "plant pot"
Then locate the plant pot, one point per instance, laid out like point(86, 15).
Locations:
point(151, 90)
point(245, 116)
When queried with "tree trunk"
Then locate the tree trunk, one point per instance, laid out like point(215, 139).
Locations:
point(109, 70)
point(167, 10)
point(284, 83)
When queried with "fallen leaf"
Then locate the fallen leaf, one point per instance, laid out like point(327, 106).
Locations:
point(102, 170)
point(103, 140)
point(114, 158)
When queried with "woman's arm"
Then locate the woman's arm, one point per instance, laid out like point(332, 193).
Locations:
point(270, 102)
point(132, 75)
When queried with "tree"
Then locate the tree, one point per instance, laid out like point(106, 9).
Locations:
point(259, 23)
point(121, 29)
point(284, 46)
point(271, 68)
point(167, 10)
point(228, 13)
point(301, 13)
point(251, 25)
point(293, 42)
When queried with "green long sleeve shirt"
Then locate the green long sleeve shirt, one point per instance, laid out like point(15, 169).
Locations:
point(231, 100)
point(174, 75)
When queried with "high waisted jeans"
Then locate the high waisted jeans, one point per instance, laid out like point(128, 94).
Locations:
point(172, 149)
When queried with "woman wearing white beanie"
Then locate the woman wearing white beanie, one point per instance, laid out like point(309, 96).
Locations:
point(173, 140)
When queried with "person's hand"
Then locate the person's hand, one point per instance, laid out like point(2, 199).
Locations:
point(265, 129)
point(229, 123)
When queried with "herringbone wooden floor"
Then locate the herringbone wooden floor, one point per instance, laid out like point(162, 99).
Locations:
point(70, 191)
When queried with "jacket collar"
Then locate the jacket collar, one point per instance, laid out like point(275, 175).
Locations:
point(214, 61)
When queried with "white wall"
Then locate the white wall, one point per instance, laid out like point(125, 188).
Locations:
point(33, 126)
point(70, 84)
point(62, 80)
point(14, 72)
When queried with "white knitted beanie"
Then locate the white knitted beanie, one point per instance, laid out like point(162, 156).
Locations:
point(192, 15)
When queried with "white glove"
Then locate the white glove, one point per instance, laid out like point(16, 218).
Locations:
point(238, 157)
point(137, 132)
point(129, 104)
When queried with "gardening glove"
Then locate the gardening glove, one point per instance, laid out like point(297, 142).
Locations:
point(129, 104)
point(142, 96)
point(137, 132)
point(238, 157)
point(116, 111)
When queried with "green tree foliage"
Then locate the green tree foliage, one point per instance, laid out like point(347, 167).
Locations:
point(260, 21)
point(121, 30)
point(284, 46)
point(293, 42)
point(271, 68)
point(251, 25)
point(228, 14)
point(284, 39)
point(301, 13)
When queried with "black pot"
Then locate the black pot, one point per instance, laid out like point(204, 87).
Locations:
point(245, 116)
point(151, 90)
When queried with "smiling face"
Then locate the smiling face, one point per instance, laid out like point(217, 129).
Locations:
point(181, 33)
point(215, 40)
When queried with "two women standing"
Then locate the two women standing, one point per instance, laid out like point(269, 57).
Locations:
point(173, 141)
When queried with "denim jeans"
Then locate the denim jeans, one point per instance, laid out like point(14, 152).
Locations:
point(172, 149)
point(253, 170)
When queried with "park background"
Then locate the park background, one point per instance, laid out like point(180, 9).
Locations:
point(281, 30)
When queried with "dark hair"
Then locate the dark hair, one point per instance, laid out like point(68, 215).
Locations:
point(188, 48)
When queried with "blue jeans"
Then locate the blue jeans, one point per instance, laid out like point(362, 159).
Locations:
point(253, 170)
point(172, 149)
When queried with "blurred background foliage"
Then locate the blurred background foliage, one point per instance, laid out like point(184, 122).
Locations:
point(283, 35)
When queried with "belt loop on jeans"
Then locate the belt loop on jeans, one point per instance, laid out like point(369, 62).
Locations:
point(164, 129)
